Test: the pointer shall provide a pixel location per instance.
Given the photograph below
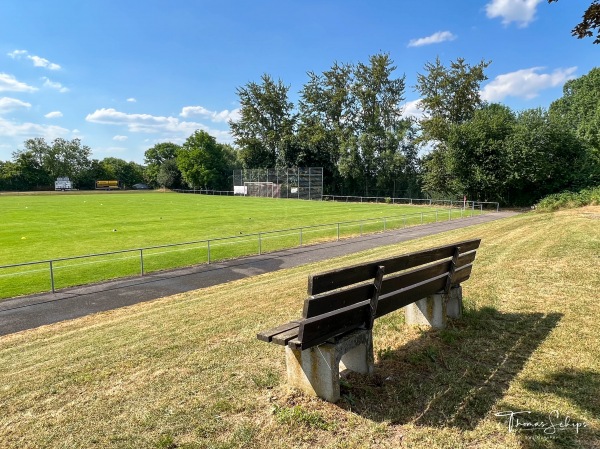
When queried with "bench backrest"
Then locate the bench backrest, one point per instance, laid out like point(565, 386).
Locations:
point(340, 300)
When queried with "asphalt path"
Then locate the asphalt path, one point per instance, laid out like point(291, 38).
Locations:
point(28, 312)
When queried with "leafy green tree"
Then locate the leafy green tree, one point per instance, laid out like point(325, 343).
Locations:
point(203, 162)
point(477, 155)
point(544, 157)
point(128, 173)
point(86, 179)
point(169, 175)
point(579, 109)
point(27, 173)
point(155, 157)
point(449, 97)
point(327, 110)
point(265, 129)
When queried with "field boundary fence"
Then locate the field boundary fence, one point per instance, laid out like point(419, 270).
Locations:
point(161, 257)
point(488, 205)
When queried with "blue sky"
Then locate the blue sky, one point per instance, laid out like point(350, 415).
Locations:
point(125, 75)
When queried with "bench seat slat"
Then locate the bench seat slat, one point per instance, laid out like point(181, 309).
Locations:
point(284, 337)
point(267, 335)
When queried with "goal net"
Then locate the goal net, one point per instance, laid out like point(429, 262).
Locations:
point(264, 189)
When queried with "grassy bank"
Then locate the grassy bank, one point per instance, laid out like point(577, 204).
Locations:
point(188, 372)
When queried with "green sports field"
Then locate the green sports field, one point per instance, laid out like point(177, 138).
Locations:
point(54, 226)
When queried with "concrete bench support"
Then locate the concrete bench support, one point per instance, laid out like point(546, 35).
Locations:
point(316, 370)
point(435, 309)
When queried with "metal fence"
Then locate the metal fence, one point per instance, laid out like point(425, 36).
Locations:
point(205, 192)
point(301, 183)
point(117, 264)
point(488, 205)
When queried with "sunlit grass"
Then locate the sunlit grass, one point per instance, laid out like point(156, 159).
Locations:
point(188, 372)
point(51, 227)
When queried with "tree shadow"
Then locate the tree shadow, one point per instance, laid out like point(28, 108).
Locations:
point(449, 377)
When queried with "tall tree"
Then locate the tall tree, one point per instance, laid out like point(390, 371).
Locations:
point(128, 173)
point(327, 110)
point(203, 162)
point(265, 129)
point(378, 121)
point(155, 157)
point(449, 97)
point(579, 109)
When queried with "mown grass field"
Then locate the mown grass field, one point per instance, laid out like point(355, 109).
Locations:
point(52, 226)
point(187, 371)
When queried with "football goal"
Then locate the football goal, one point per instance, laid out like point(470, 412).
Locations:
point(264, 189)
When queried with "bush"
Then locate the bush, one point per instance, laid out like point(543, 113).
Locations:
point(570, 200)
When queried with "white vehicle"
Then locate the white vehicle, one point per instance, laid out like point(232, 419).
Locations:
point(63, 184)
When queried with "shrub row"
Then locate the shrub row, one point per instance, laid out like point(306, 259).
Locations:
point(570, 200)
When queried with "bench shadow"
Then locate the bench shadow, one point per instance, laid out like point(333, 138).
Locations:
point(451, 377)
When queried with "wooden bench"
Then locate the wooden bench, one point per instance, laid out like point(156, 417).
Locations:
point(335, 328)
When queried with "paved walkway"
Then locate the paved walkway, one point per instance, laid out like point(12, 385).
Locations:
point(28, 312)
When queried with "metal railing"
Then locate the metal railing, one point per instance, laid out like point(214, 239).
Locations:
point(414, 201)
point(296, 237)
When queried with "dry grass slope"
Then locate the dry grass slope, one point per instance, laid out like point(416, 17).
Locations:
point(187, 371)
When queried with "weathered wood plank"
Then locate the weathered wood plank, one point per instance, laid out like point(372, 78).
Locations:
point(405, 296)
point(267, 335)
point(327, 302)
point(284, 337)
point(334, 279)
point(316, 330)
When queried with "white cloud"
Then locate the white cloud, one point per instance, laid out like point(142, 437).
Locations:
point(55, 85)
point(217, 117)
point(12, 129)
point(146, 123)
point(413, 109)
point(10, 104)
point(435, 38)
point(17, 54)
point(8, 83)
point(525, 83)
point(43, 62)
point(120, 138)
point(131, 100)
point(54, 114)
point(38, 61)
point(520, 11)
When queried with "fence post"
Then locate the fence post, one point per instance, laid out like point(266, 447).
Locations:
point(208, 250)
point(142, 261)
point(51, 277)
point(384, 224)
point(338, 232)
point(259, 243)
point(361, 228)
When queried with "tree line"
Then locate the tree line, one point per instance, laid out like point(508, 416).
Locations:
point(349, 120)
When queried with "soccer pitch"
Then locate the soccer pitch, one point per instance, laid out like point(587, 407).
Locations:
point(54, 226)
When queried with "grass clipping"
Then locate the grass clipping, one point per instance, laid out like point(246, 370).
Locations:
point(188, 372)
